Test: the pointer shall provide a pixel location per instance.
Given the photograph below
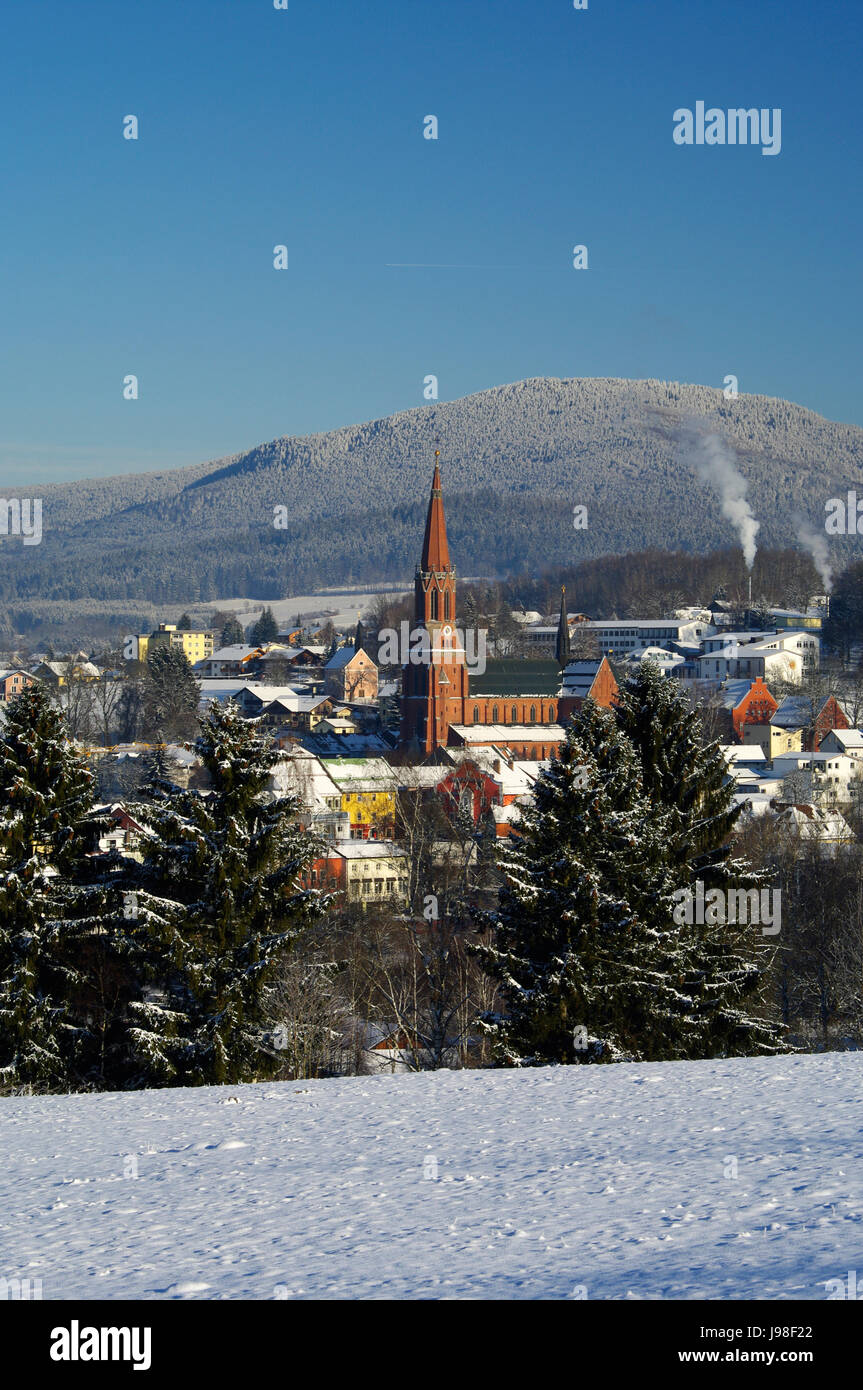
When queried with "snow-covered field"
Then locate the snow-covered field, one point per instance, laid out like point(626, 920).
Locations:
point(618, 1179)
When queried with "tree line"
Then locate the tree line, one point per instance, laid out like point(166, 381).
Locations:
point(218, 958)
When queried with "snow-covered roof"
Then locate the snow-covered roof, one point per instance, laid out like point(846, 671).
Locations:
point(732, 693)
point(349, 772)
point(509, 733)
point(743, 753)
point(848, 738)
point(794, 712)
point(578, 677)
point(368, 849)
point(340, 658)
point(239, 651)
point(815, 822)
point(303, 776)
point(513, 777)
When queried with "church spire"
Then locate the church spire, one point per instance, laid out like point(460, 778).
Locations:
point(561, 645)
point(435, 554)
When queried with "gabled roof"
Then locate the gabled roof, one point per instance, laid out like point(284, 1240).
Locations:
point(239, 651)
point(341, 658)
point(733, 693)
point(579, 676)
point(848, 738)
point(794, 712)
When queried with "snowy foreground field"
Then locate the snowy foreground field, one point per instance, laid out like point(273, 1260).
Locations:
point(618, 1179)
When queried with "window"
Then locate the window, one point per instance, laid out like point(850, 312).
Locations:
point(513, 715)
point(533, 714)
point(476, 714)
point(433, 603)
point(446, 604)
point(494, 715)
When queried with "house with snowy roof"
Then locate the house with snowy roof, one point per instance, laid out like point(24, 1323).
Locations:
point(13, 681)
point(350, 674)
point(814, 717)
point(739, 703)
point(232, 660)
point(843, 740)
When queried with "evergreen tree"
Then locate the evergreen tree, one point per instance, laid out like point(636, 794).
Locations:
point(232, 634)
point(184, 624)
point(726, 961)
point(45, 795)
point(223, 902)
point(690, 780)
point(583, 940)
point(589, 956)
point(170, 697)
point(159, 769)
point(266, 629)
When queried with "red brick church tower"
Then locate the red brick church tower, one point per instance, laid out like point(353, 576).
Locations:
point(435, 687)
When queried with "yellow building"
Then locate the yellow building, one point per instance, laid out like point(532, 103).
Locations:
point(773, 740)
point(368, 788)
point(196, 646)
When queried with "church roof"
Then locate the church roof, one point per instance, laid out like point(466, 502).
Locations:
point(510, 676)
point(435, 554)
point(506, 734)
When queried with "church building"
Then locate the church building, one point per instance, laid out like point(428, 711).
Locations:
point(518, 706)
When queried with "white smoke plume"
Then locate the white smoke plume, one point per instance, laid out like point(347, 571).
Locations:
point(816, 543)
point(714, 463)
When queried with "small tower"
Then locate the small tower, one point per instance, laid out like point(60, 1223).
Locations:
point(561, 644)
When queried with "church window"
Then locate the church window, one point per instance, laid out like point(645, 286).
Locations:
point(433, 604)
point(513, 715)
point(494, 714)
point(476, 714)
point(446, 604)
point(533, 714)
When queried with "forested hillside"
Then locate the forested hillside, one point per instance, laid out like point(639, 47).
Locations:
point(516, 460)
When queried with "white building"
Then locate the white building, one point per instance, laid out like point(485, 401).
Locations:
point(827, 777)
point(619, 638)
point(782, 656)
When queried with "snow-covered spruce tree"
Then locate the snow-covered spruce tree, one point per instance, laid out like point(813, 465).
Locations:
point(690, 780)
point(46, 793)
point(170, 696)
point(726, 962)
point(583, 944)
point(222, 904)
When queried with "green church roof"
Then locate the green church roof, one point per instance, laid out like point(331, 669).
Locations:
point(510, 676)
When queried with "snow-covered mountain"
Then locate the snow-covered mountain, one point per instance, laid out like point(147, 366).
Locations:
point(516, 461)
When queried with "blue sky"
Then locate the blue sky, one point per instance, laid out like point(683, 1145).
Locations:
point(305, 127)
